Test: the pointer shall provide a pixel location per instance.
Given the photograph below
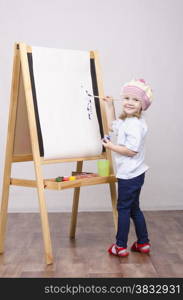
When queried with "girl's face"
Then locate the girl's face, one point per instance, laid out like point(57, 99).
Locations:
point(131, 105)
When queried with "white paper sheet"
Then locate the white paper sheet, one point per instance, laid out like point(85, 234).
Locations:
point(61, 79)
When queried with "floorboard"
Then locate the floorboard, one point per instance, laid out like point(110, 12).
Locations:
point(86, 256)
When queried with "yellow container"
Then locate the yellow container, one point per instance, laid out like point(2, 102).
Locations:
point(103, 167)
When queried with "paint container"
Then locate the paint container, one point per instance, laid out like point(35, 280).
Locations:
point(59, 179)
point(66, 178)
point(103, 167)
point(72, 178)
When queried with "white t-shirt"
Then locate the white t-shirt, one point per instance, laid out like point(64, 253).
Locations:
point(130, 133)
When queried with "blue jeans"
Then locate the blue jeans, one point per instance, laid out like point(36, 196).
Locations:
point(128, 206)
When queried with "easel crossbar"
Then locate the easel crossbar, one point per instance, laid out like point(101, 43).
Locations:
point(29, 157)
point(53, 185)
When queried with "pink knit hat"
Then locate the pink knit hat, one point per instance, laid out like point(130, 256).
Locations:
point(139, 89)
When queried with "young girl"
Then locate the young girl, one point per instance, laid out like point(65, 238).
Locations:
point(131, 130)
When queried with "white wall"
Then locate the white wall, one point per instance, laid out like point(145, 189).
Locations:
point(135, 38)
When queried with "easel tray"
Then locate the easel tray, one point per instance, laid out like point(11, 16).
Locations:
point(53, 185)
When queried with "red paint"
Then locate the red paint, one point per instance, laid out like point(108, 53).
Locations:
point(66, 179)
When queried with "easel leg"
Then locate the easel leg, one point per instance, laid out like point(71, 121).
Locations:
point(75, 204)
point(114, 202)
point(9, 146)
point(4, 210)
point(44, 218)
point(36, 152)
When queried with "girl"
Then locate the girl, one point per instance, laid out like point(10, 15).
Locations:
point(131, 130)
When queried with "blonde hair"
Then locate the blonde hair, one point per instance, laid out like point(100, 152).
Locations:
point(123, 115)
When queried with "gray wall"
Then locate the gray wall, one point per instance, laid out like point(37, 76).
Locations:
point(135, 38)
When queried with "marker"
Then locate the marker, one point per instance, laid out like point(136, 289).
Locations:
point(106, 137)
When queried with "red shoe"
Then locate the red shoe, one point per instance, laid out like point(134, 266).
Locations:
point(122, 252)
point(118, 251)
point(113, 250)
point(143, 248)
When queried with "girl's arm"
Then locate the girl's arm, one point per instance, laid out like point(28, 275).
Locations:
point(122, 150)
point(119, 149)
point(110, 111)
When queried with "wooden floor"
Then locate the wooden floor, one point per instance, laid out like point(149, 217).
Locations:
point(86, 256)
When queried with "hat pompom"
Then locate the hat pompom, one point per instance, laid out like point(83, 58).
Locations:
point(142, 80)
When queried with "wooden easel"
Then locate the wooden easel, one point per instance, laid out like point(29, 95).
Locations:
point(22, 104)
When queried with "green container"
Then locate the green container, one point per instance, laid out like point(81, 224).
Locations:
point(103, 167)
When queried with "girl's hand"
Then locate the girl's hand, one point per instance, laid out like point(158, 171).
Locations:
point(107, 143)
point(108, 99)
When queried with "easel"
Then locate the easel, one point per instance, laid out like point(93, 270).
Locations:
point(22, 101)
